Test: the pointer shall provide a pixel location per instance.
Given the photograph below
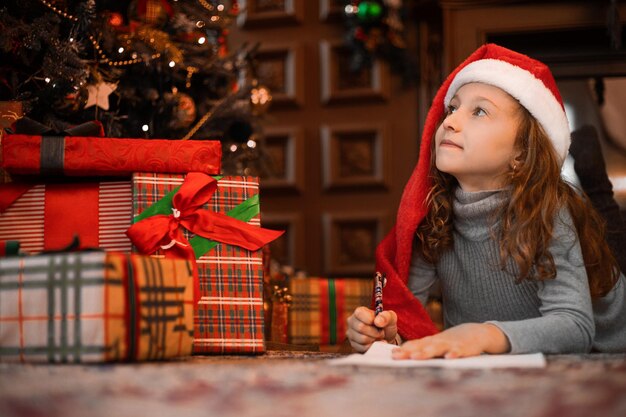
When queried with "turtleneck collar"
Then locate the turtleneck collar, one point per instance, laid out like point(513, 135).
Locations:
point(473, 212)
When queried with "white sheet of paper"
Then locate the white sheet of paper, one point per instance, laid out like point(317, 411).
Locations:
point(380, 355)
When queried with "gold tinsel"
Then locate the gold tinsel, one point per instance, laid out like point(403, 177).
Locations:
point(156, 40)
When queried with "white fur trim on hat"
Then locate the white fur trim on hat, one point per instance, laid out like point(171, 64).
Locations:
point(530, 91)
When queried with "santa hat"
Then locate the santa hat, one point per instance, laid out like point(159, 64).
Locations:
point(524, 78)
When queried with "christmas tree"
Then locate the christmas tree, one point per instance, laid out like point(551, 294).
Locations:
point(144, 68)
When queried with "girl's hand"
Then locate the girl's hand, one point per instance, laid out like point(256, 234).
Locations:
point(469, 339)
point(364, 328)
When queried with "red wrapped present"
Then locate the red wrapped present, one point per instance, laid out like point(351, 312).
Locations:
point(320, 307)
point(49, 216)
point(75, 153)
point(95, 306)
point(89, 156)
point(217, 222)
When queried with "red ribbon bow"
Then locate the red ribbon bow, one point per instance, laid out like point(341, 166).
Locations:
point(165, 232)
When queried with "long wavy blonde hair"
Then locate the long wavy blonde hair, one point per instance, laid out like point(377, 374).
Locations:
point(537, 193)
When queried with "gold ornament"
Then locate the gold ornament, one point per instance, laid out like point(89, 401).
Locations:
point(150, 12)
point(184, 111)
point(260, 99)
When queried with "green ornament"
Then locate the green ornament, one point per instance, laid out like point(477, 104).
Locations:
point(369, 11)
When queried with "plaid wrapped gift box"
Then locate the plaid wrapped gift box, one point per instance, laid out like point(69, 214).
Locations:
point(229, 315)
point(48, 216)
point(94, 306)
point(320, 307)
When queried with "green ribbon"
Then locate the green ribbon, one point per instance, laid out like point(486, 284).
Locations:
point(163, 206)
point(12, 248)
point(332, 311)
point(201, 245)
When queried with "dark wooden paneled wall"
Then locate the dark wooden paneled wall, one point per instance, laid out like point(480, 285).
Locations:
point(340, 145)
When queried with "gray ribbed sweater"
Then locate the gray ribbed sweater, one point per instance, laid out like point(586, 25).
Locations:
point(552, 316)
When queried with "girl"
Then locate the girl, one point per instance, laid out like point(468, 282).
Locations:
point(519, 254)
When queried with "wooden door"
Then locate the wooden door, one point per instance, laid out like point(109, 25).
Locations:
point(340, 146)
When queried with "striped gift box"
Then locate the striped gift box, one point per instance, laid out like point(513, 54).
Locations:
point(229, 315)
point(48, 216)
point(94, 306)
point(321, 306)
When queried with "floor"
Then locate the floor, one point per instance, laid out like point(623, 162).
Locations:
point(303, 384)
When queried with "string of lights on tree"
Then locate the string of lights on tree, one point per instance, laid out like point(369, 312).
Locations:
point(376, 30)
point(144, 68)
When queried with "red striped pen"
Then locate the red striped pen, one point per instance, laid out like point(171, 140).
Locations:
point(379, 282)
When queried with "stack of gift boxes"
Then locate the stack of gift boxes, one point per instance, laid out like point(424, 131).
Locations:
point(130, 249)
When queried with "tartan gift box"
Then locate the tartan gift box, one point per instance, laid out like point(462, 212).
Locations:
point(94, 306)
point(320, 307)
point(48, 216)
point(229, 313)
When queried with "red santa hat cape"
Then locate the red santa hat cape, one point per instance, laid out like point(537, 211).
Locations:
point(524, 78)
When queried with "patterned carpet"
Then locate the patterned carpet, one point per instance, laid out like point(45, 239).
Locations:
point(303, 384)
